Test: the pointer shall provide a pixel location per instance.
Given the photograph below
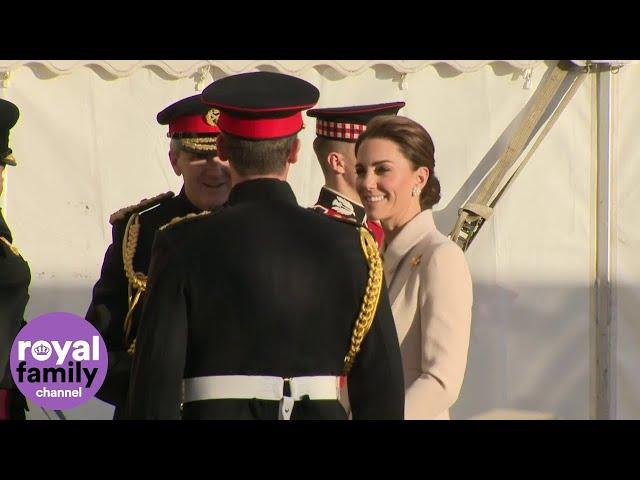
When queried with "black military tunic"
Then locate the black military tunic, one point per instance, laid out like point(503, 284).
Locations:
point(282, 301)
point(333, 204)
point(109, 305)
point(15, 277)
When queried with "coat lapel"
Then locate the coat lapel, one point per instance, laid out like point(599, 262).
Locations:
point(403, 254)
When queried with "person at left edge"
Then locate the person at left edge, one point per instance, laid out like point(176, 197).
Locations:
point(117, 296)
point(15, 277)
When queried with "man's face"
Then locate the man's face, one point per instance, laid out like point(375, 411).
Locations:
point(206, 178)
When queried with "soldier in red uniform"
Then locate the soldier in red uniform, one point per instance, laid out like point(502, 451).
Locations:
point(337, 130)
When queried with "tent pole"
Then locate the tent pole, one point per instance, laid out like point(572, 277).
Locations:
point(605, 339)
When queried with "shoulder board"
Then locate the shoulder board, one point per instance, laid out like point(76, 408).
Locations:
point(143, 205)
point(186, 219)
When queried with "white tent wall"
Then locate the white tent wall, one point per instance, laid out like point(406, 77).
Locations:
point(87, 144)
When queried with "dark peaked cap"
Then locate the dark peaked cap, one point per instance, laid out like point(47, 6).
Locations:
point(261, 105)
point(347, 123)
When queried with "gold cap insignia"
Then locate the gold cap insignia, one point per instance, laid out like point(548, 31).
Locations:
point(211, 118)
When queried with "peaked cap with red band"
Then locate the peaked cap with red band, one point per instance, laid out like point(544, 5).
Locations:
point(347, 123)
point(193, 122)
point(260, 105)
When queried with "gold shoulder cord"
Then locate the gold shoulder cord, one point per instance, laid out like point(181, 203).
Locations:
point(137, 280)
point(370, 299)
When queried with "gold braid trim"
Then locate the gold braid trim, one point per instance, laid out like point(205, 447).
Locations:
point(11, 246)
point(176, 220)
point(370, 299)
point(205, 144)
point(9, 160)
point(143, 205)
point(137, 280)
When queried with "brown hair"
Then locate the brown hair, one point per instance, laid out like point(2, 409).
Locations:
point(415, 144)
point(258, 157)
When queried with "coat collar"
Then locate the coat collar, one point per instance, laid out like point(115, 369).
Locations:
point(413, 232)
point(264, 190)
point(185, 203)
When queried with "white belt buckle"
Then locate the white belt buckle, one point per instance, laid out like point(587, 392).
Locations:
point(286, 403)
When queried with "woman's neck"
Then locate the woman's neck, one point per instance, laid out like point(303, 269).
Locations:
point(394, 225)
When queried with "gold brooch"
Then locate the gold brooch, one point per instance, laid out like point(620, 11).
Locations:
point(415, 261)
point(211, 118)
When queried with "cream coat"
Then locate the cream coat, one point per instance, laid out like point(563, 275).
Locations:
point(431, 297)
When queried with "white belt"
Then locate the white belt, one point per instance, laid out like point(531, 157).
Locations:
point(261, 387)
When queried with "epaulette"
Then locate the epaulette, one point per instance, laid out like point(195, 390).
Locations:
point(144, 204)
point(186, 219)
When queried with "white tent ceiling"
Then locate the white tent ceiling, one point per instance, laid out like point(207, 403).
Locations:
point(186, 68)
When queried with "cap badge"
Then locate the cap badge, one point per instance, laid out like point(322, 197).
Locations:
point(211, 118)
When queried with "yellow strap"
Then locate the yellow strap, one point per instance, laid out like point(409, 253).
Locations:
point(370, 299)
point(481, 203)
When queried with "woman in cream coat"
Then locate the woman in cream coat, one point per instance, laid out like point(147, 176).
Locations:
point(427, 276)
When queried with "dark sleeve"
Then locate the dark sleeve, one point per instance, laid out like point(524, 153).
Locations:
point(155, 389)
point(376, 383)
point(107, 312)
point(14, 295)
point(109, 302)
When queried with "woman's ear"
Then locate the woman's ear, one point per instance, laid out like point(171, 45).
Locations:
point(422, 174)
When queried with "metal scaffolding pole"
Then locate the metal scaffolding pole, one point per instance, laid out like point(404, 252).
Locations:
point(605, 328)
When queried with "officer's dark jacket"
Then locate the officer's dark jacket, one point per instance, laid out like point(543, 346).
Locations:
point(109, 304)
point(15, 277)
point(334, 204)
point(261, 287)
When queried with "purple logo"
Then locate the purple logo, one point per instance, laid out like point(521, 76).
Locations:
point(58, 360)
